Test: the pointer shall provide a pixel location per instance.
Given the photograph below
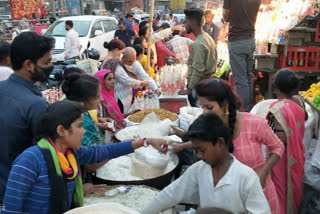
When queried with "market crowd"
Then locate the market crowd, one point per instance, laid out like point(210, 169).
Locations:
point(47, 150)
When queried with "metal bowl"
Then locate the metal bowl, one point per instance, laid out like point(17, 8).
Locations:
point(158, 182)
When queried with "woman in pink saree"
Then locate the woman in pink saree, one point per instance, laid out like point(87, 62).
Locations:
point(287, 118)
point(110, 105)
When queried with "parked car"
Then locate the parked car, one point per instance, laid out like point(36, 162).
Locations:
point(180, 17)
point(91, 29)
point(100, 12)
point(141, 17)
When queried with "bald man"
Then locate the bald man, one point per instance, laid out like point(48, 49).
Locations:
point(127, 75)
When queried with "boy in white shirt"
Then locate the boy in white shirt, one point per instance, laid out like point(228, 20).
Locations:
point(218, 180)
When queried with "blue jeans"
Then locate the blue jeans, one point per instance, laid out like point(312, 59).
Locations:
point(241, 62)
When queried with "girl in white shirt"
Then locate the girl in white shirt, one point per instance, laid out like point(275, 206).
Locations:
point(218, 180)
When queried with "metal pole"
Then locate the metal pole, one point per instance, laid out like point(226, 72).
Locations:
point(53, 6)
point(150, 35)
point(81, 7)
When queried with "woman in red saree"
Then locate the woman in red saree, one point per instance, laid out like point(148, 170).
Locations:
point(286, 118)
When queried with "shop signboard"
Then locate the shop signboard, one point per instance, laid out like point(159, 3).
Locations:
point(177, 4)
point(22, 8)
point(69, 7)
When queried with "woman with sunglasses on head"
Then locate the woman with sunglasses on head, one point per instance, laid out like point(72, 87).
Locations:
point(248, 132)
point(46, 178)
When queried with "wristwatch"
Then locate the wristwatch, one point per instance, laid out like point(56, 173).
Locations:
point(143, 142)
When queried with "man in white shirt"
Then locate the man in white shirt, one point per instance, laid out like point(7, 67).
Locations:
point(127, 75)
point(169, 20)
point(72, 42)
point(5, 62)
point(179, 46)
point(219, 180)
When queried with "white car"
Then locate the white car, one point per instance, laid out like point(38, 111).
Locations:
point(180, 17)
point(93, 29)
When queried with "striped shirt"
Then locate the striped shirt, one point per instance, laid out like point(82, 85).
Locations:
point(28, 187)
point(125, 84)
point(180, 47)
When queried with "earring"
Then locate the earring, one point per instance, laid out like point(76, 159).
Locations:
point(227, 113)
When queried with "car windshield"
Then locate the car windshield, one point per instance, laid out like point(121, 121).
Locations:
point(58, 28)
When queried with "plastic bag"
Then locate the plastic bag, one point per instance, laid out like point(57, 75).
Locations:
point(152, 157)
point(173, 79)
point(142, 170)
point(151, 127)
point(311, 175)
point(149, 163)
point(90, 66)
point(188, 115)
point(142, 103)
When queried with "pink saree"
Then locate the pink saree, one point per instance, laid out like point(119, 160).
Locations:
point(109, 103)
point(288, 172)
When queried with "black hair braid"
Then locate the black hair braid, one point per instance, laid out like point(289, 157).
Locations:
point(232, 122)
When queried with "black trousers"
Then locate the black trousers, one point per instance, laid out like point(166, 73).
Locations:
point(194, 99)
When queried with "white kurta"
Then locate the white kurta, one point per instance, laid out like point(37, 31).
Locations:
point(238, 191)
point(125, 84)
point(72, 44)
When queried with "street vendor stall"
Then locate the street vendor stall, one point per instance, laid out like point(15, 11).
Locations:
point(286, 37)
point(173, 78)
point(146, 166)
point(126, 199)
point(312, 148)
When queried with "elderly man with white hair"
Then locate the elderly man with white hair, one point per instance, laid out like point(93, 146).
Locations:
point(169, 20)
point(130, 75)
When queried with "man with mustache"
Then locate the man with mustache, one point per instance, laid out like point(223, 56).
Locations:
point(21, 101)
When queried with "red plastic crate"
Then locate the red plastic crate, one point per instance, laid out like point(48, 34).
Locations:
point(317, 38)
point(173, 105)
point(301, 59)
